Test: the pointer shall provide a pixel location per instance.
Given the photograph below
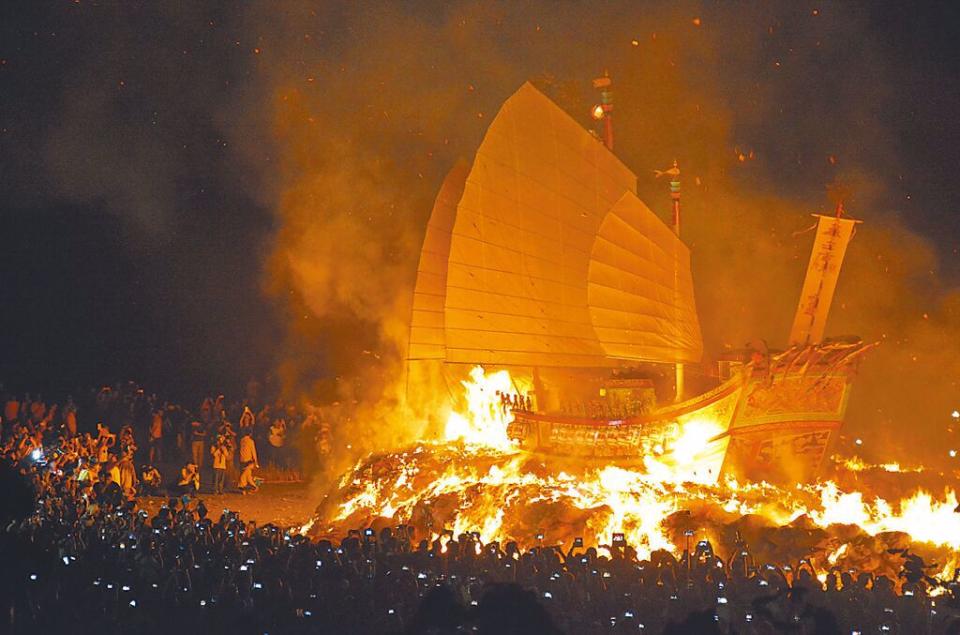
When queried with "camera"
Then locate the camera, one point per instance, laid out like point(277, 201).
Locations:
point(619, 539)
point(578, 541)
point(540, 536)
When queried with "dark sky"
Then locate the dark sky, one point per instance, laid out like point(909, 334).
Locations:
point(151, 154)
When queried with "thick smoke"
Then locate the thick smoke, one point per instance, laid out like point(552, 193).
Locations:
point(765, 110)
point(342, 120)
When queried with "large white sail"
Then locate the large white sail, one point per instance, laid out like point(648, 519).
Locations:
point(534, 274)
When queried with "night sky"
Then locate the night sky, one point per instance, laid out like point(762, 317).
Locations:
point(164, 165)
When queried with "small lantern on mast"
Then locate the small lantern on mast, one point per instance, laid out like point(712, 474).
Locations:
point(604, 110)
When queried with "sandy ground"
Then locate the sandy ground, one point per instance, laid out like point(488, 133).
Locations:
point(285, 504)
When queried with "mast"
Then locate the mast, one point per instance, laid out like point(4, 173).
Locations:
point(829, 247)
point(679, 376)
point(674, 174)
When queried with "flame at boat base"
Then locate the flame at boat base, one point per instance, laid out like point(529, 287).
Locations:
point(484, 422)
point(476, 480)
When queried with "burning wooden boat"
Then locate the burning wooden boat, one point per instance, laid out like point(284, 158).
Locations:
point(796, 399)
point(541, 259)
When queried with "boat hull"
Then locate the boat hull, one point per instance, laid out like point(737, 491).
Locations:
point(646, 440)
point(792, 407)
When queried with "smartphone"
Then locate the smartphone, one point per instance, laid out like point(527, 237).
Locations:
point(578, 541)
point(539, 536)
point(619, 539)
point(368, 532)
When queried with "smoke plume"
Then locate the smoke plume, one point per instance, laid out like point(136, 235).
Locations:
point(771, 113)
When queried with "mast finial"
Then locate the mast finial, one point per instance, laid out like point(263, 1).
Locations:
point(604, 110)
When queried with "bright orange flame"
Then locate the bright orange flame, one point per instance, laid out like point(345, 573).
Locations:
point(486, 484)
point(485, 421)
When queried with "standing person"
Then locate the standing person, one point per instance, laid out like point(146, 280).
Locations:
point(248, 461)
point(230, 437)
point(277, 439)
point(128, 471)
point(105, 440)
point(220, 453)
point(246, 420)
point(198, 433)
point(156, 437)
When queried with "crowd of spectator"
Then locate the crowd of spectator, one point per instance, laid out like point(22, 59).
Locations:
point(82, 557)
point(151, 446)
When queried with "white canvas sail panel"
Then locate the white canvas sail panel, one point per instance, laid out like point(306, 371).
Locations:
point(640, 289)
point(426, 320)
point(829, 247)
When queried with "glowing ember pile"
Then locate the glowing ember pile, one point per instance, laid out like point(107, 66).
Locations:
point(477, 481)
